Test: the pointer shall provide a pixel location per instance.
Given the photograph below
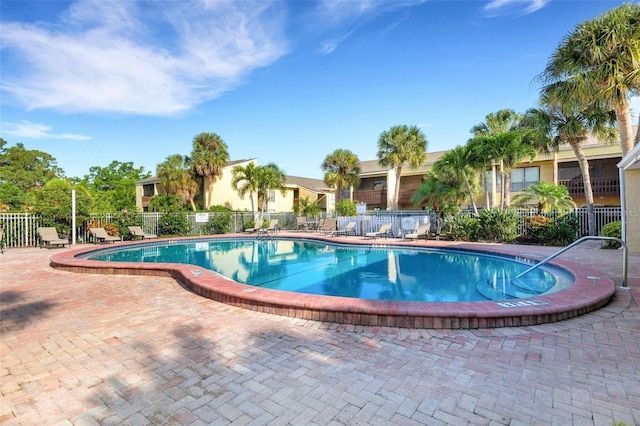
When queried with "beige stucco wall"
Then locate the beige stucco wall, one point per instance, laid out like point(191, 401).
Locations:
point(225, 195)
point(632, 209)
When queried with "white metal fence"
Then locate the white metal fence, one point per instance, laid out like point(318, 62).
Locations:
point(20, 229)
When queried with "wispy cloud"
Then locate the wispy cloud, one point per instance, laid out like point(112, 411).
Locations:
point(157, 58)
point(336, 15)
point(28, 130)
point(515, 7)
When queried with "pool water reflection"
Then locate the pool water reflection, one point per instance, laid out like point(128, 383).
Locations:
point(365, 272)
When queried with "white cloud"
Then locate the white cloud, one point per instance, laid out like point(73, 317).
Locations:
point(28, 130)
point(518, 7)
point(157, 58)
point(329, 45)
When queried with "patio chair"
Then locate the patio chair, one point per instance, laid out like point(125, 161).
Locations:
point(49, 237)
point(385, 230)
point(348, 230)
point(256, 227)
point(329, 226)
point(138, 233)
point(100, 235)
point(421, 232)
point(301, 223)
point(273, 227)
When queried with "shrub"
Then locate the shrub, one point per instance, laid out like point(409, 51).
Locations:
point(563, 232)
point(346, 208)
point(462, 227)
point(219, 222)
point(500, 225)
point(611, 229)
point(174, 223)
point(536, 228)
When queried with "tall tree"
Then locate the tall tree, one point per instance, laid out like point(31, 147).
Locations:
point(114, 185)
point(341, 168)
point(503, 139)
point(176, 178)
point(603, 53)
point(460, 163)
point(27, 168)
point(398, 146)
point(270, 177)
point(571, 123)
point(440, 191)
point(209, 156)
point(246, 180)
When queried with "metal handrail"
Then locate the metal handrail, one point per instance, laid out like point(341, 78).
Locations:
point(625, 258)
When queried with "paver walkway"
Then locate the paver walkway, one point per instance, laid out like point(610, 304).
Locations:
point(96, 349)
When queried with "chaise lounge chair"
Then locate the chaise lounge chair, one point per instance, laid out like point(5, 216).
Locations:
point(273, 227)
point(385, 230)
point(301, 223)
point(350, 229)
point(100, 235)
point(421, 232)
point(256, 227)
point(138, 233)
point(49, 237)
point(329, 226)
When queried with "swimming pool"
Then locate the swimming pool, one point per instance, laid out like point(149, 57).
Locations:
point(356, 271)
point(585, 295)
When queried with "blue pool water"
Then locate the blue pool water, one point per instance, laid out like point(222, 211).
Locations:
point(305, 266)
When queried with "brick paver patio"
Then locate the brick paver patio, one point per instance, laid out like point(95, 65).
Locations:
point(98, 349)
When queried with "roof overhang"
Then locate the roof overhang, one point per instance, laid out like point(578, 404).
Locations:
point(631, 160)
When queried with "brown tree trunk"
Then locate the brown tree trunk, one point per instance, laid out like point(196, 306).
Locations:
point(586, 180)
point(623, 115)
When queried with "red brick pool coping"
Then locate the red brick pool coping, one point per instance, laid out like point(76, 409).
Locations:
point(586, 295)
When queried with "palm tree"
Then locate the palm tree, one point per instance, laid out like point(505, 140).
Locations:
point(504, 139)
point(397, 146)
point(209, 158)
point(176, 179)
point(245, 180)
point(549, 196)
point(341, 169)
point(440, 192)
point(604, 54)
point(460, 163)
point(270, 177)
point(570, 123)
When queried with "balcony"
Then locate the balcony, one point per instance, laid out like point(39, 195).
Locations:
point(601, 187)
point(379, 197)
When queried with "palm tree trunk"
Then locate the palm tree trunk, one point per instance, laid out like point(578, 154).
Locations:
point(339, 190)
point(473, 200)
point(502, 184)
point(396, 190)
point(507, 188)
point(586, 180)
point(623, 115)
point(253, 206)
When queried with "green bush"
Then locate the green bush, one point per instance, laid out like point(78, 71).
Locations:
point(499, 225)
point(346, 208)
point(536, 228)
point(563, 232)
point(174, 223)
point(462, 227)
point(219, 222)
point(612, 229)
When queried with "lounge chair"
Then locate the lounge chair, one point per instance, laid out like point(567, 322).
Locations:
point(301, 223)
point(329, 226)
point(100, 235)
point(256, 227)
point(273, 227)
point(49, 237)
point(138, 233)
point(385, 230)
point(349, 229)
point(421, 232)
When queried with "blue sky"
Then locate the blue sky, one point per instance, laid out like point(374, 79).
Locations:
point(283, 81)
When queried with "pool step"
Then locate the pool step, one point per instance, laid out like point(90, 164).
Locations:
point(509, 289)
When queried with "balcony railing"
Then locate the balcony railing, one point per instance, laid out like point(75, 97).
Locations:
point(376, 197)
point(601, 187)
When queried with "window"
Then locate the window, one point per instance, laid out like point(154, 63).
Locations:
point(147, 190)
point(272, 196)
point(379, 185)
point(523, 177)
